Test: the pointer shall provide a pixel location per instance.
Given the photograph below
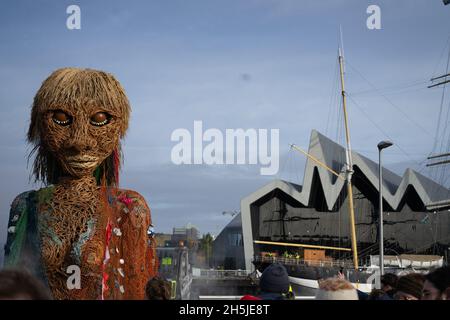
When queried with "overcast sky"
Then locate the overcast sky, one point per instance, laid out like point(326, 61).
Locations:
point(232, 64)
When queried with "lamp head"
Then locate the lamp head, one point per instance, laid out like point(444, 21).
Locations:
point(384, 144)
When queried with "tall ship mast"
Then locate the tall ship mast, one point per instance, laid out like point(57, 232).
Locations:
point(349, 163)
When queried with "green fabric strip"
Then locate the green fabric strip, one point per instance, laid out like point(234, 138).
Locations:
point(17, 238)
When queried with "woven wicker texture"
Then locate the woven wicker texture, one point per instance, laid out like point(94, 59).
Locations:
point(78, 118)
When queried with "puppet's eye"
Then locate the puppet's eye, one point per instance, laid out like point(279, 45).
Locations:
point(61, 118)
point(100, 119)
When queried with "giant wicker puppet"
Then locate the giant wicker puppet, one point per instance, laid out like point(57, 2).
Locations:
point(81, 221)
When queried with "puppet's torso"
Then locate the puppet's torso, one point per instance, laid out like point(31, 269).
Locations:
point(53, 232)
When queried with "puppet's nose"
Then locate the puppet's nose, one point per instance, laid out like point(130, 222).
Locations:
point(80, 141)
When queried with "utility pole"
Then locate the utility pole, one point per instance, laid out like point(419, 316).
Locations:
point(446, 80)
point(439, 156)
point(442, 81)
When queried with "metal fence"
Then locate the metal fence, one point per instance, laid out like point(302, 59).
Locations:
point(347, 264)
point(218, 274)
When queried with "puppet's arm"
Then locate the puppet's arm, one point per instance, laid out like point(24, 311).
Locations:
point(141, 248)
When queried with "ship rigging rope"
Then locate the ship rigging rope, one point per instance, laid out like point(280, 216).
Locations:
point(440, 173)
point(339, 129)
point(384, 132)
point(440, 113)
point(425, 247)
point(418, 125)
point(284, 166)
point(333, 96)
point(400, 88)
point(441, 56)
point(441, 176)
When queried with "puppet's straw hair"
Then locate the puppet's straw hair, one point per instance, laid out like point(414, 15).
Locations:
point(73, 86)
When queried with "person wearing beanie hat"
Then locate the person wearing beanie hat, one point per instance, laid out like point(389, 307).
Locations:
point(336, 289)
point(409, 287)
point(274, 282)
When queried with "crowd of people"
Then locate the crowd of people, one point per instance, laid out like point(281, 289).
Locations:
point(273, 285)
point(435, 285)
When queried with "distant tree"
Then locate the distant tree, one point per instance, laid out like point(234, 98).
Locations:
point(206, 246)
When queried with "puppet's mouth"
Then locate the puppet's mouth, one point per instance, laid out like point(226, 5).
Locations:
point(82, 161)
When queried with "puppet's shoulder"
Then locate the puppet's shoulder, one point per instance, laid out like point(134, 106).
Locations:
point(28, 202)
point(21, 202)
point(19, 215)
point(131, 199)
point(26, 205)
point(133, 208)
point(19, 209)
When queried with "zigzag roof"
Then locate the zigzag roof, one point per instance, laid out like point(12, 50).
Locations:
point(333, 155)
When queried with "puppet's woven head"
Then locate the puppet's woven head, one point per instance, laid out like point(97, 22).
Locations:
point(77, 119)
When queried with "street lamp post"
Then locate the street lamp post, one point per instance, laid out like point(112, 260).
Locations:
point(382, 145)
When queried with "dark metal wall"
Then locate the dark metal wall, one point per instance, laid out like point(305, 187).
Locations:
point(228, 249)
point(411, 229)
